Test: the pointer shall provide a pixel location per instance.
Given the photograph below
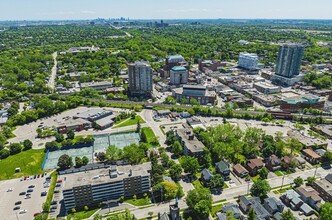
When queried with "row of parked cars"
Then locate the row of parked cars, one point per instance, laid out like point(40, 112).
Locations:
point(33, 177)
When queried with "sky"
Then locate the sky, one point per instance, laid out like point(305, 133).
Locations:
point(164, 9)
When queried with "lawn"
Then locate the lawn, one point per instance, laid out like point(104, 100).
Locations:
point(254, 178)
point(149, 134)
point(278, 173)
point(29, 161)
point(129, 122)
point(82, 214)
point(139, 202)
point(216, 209)
point(197, 184)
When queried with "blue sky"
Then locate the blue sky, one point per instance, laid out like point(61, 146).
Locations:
point(172, 9)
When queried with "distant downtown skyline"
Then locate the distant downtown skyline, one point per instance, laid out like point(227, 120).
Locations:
point(170, 9)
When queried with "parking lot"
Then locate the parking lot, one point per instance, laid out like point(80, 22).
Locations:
point(32, 205)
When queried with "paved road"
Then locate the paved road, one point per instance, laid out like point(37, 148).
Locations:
point(51, 81)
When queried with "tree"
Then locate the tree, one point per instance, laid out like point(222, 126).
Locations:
point(59, 137)
point(46, 206)
point(101, 156)
point(175, 172)
point(39, 132)
point(193, 101)
point(4, 153)
point(113, 153)
point(51, 145)
point(85, 161)
point(294, 145)
point(326, 211)
point(15, 148)
point(217, 182)
point(134, 197)
point(86, 208)
point(298, 181)
point(189, 164)
point(27, 144)
point(310, 180)
point(138, 128)
point(263, 173)
point(170, 137)
point(78, 162)
point(134, 153)
point(260, 188)
point(200, 201)
point(65, 162)
point(230, 215)
point(251, 214)
point(73, 210)
point(327, 158)
point(177, 148)
point(170, 190)
point(70, 135)
point(287, 215)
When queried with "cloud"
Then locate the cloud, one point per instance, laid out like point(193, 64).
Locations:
point(88, 12)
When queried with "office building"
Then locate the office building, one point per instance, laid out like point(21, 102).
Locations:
point(94, 186)
point(179, 75)
point(200, 93)
point(140, 79)
point(248, 61)
point(172, 61)
point(300, 102)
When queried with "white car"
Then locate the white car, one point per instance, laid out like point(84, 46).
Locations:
point(10, 190)
point(23, 211)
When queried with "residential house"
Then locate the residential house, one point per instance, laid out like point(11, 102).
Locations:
point(222, 167)
point(320, 152)
point(324, 187)
point(310, 196)
point(234, 208)
point(286, 162)
point(255, 203)
point(254, 165)
point(221, 216)
point(273, 163)
point(273, 205)
point(240, 171)
point(206, 176)
point(311, 156)
point(292, 199)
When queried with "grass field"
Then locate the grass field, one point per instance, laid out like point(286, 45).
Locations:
point(278, 173)
point(29, 161)
point(130, 122)
point(139, 202)
point(149, 134)
point(82, 214)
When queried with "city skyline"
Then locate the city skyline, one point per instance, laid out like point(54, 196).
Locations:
point(149, 9)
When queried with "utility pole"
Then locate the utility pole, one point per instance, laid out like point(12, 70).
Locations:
point(248, 187)
point(282, 184)
point(315, 171)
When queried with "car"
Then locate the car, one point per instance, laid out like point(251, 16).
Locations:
point(38, 175)
point(43, 193)
point(42, 175)
point(16, 208)
point(59, 181)
point(31, 186)
point(247, 179)
point(10, 190)
point(46, 185)
point(231, 181)
point(48, 178)
point(36, 214)
point(301, 213)
point(18, 203)
point(35, 176)
point(58, 185)
point(54, 207)
point(30, 190)
point(54, 202)
point(22, 193)
point(23, 211)
point(27, 197)
point(56, 191)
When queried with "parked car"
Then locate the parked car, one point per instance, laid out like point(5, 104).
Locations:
point(30, 190)
point(22, 193)
point(56, 191)
point(23, 211)
point(58, 185)
point(18, 203)
point(31, 186)
point(54, 202)
point(10, 190)
point(43, 194)
point(16, 208)
point(59, 181)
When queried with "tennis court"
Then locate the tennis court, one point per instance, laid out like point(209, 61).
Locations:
point(102, 142)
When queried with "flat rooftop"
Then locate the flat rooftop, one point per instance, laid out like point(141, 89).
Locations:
point(193, 145)
point(100, 176)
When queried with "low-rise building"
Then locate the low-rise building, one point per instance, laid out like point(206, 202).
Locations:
point(234, 208)
point(103, 85)
point(273, 163)
point(325, 130)
point(311, 156)
point(310, 196)
point(266, 100)
point(254, 165)
point(324, 188)
point(200, 93)
point(267, 88)
point(191, 145)
point(75, 125)
point(206, 176)
point(248, 61)
point(292, 199)
point(222, 167)
point(300, 102)
point(105, 122)
point(255, 203)
point(94, 186)
point(240, 171)
point(273, 205)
